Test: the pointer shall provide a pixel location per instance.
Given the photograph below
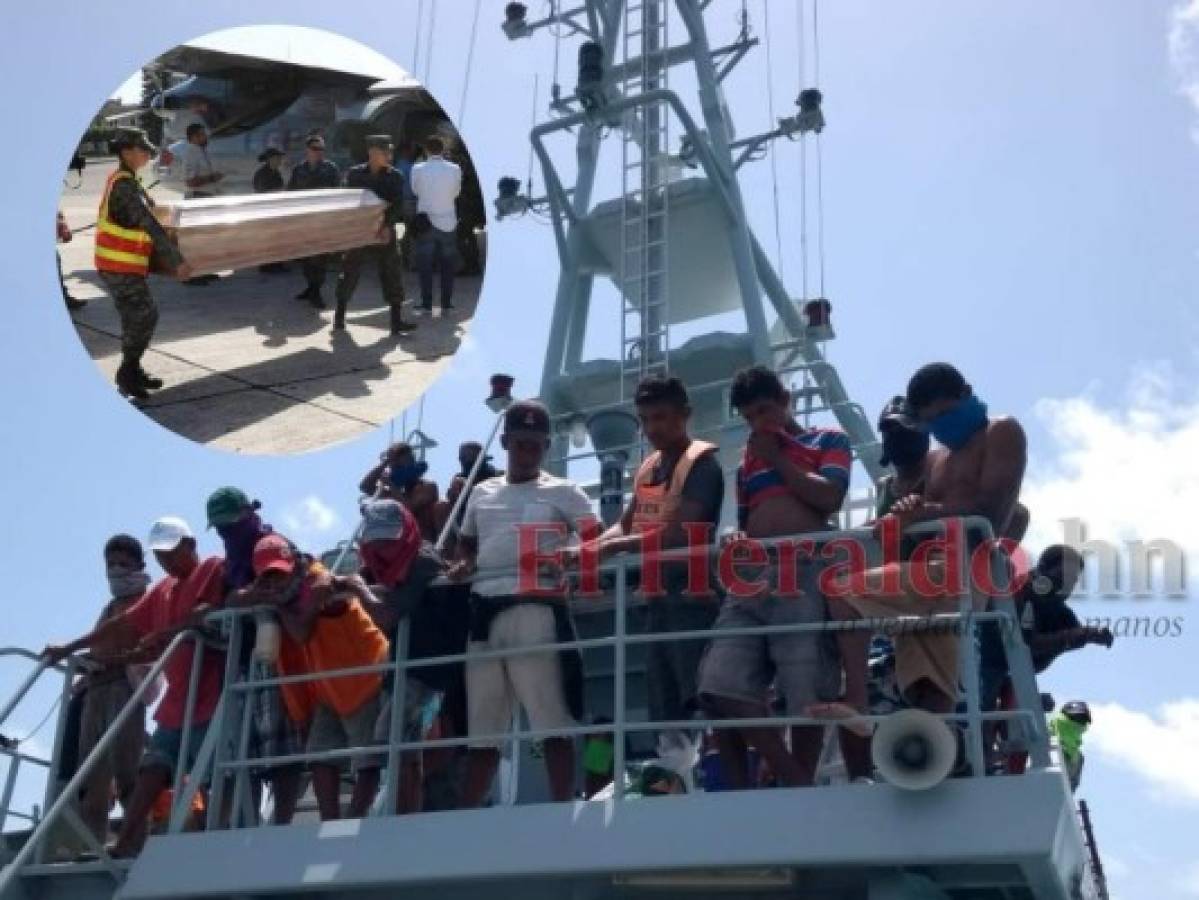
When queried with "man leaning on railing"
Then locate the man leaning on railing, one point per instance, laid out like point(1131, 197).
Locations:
point(273, 732)
point(191, 588)
point(977, 471)
point(326, 628)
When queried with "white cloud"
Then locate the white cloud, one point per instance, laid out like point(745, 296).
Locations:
point(1183, 44)
point(1160, 746)
point(1126, 469)
point(310, 516)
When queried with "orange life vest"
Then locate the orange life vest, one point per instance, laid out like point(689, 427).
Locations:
point(123, 251)
point(656, 503)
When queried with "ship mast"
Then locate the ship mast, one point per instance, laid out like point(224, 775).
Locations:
point(675, 242)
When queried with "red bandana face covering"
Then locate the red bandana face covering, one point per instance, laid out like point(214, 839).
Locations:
point(389, 561)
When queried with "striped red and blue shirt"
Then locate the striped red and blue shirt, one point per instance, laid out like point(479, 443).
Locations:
point(824, 451)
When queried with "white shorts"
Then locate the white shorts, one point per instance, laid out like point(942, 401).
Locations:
point(533, 681)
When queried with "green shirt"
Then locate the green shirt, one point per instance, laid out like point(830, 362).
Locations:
point(598, 756)
point(1068, 733)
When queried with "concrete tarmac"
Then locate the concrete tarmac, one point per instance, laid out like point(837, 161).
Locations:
point(247, 367)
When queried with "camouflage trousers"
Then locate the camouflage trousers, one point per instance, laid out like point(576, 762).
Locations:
point(391, 275)
point(137, 309)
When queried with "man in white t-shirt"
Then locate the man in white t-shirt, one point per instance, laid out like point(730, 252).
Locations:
point(436, 183)
point(504, 616)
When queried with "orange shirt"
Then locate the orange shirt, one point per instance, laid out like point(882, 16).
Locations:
point(341, 640)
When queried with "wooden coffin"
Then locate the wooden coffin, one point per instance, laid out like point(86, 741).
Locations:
point(219, 233)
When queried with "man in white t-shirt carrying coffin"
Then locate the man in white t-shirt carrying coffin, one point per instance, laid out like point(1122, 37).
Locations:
point(504, 616)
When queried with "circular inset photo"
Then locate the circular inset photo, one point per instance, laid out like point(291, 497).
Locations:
point(271, 239)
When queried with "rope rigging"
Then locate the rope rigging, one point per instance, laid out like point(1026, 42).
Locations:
point(429, 42)
point(774, 169)
point(819, 153)
point(420, 17)
point(801, 39)
point(470, 59)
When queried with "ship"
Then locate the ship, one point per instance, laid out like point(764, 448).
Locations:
point(643, 270)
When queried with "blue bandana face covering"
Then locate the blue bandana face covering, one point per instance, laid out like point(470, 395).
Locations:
point(406, 476)
point(954, 427)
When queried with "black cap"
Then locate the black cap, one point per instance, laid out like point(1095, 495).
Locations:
point(131, 137)
point(527, 415)
point(1077, 711)
point(269, 152)
point(898, 412)
point(379, 142)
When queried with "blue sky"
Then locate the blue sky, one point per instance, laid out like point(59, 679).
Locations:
point(1013, 186)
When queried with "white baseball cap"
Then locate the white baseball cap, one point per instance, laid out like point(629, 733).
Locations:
point(167, 532)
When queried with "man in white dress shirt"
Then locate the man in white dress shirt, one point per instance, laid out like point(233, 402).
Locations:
point(436, 183)
point(199, 176)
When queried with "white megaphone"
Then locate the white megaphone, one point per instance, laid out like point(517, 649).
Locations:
point(914, 750)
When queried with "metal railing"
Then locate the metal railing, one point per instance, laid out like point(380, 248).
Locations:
point(225, 749)
point(59, 801)
point(15, 757)
point(223, 757)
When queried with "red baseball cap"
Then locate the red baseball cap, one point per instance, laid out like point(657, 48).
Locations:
point(273, 554)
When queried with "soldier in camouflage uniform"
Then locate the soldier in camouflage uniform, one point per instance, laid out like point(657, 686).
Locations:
point(314, 173)
point(378, 175)
point(127, 235)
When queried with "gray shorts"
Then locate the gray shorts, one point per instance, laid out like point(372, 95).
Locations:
point(329, 731)
point(804, 667)
point(421, 706)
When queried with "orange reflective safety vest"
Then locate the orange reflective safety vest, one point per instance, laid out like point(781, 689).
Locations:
point(657, 503)
point(123, 251)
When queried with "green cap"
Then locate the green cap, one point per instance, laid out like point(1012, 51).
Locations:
point(226, 505)
point(127, 137)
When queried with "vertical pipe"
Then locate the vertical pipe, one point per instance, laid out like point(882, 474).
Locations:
point(10, 784)
point(64, 703)
point(395, 732)
point(189, 713)
point(243, 748)
point(216, 794)
point(968, 665)
point(618, 680)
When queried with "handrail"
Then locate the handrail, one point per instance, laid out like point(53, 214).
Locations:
point(13, 871)
point(216, 761)
point(28, 683)
point(16, 758)
point(965, 618)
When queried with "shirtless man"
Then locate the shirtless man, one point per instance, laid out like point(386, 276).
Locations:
point(400, 476)
point(977, 471)
point(791, 480)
